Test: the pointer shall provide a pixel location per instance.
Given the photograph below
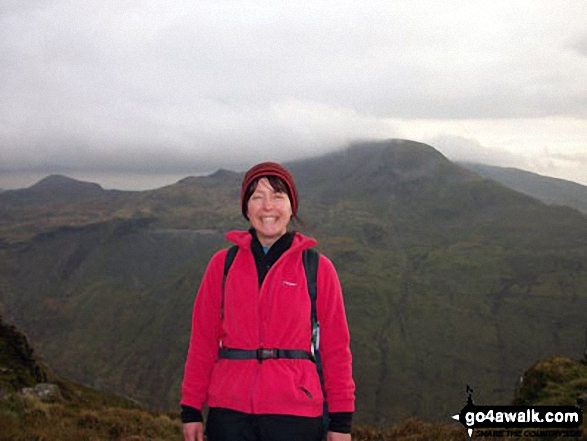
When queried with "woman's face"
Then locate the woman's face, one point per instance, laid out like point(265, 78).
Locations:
point(269, 212)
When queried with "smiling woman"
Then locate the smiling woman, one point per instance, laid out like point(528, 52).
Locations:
point(253, 355)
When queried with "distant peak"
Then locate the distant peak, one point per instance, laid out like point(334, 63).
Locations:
point(61, 181)
point(402, 158)
point(64, 187)
point(400, 146)
point(223, 173)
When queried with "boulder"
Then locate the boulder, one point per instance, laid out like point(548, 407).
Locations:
point(46, 392)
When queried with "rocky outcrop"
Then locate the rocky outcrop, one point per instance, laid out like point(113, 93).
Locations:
point(18, 366)
point(46, 392)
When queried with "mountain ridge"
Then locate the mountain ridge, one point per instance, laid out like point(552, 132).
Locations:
point(549, 190)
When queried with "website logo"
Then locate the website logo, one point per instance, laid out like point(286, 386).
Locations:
point(518, 421)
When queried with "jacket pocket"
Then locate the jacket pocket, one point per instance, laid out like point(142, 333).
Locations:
point(309, 383)
point(307, 392)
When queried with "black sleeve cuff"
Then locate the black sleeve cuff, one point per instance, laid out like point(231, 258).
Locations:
point(340, 422)
point(190, 415)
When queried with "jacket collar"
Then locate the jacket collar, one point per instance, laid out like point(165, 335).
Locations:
point(243, 240)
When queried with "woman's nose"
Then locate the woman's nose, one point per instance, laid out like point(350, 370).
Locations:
point(267, 203)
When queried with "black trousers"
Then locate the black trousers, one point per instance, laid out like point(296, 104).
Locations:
point(230, 425)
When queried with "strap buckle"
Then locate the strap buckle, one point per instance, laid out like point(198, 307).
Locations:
point(264, 354)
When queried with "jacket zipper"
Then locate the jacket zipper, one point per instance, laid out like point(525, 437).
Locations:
point(262, 324)
point(260, 338)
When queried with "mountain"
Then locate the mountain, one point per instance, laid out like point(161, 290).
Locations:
point(449, 278)
point(57, 187)
point(549, 190)
point(59, 184)
point(57, 201)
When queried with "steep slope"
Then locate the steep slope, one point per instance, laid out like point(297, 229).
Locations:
point(449, 279)
point(37, 404)
point(549, 190)
point(18, 366)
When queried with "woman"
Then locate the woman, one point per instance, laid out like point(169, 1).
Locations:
point(263, 303)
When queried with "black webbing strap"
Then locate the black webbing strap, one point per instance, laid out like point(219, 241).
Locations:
point(230, 255)
point(311, 258)
point(262, 354)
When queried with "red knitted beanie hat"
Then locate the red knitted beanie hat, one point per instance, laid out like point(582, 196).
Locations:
point(270, 169)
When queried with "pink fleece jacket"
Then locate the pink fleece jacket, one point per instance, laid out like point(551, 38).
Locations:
point(276, 315)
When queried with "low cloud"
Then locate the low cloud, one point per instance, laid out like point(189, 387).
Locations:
point(580, 45)
point(226, 136)
point(577, 158)
point(570, 166)
point(189, 87)
point(461, 149)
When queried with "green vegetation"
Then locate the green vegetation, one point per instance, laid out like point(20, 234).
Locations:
point(449, 279)
point(80, 412)
point(553, 381)
point(76, 413)
point(26, 418)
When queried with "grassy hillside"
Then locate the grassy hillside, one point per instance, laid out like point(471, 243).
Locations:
point(449, 279)
point(82, 413)
point(76, 412)
point(79, 412)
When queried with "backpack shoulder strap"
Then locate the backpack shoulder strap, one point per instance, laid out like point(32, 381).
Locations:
point(310, 258)
point(230, 255)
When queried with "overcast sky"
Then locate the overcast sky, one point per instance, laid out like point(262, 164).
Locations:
point(139, 93)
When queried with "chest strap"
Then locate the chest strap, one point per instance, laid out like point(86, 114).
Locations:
point(263, 354)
